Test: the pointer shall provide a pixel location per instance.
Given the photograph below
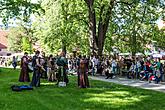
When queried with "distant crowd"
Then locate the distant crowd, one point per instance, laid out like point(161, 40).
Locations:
point(142, 68)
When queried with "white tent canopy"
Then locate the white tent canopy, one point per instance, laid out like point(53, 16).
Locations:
point(157, 55)
point(127, 54)
point(163, 53)
point(124, 54)
point(139, 54)
point(18, 54)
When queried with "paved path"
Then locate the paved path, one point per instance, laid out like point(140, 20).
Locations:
point(133, 83)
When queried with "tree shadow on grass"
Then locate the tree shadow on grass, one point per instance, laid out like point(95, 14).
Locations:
point(100, 96)
point(108, 96)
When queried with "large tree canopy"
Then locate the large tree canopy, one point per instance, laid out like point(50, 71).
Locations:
point(126, 25)
point(93, 26)
point(129, 21)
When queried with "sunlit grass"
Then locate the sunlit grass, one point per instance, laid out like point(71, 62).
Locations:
point(48, 84)
point(114, 98)
point(101, 96)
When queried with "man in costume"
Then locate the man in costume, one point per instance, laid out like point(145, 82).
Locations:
point(62, 67)
point(44, 64)
point(37, 68)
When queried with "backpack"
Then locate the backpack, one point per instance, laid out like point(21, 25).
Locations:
point(16, 88)
point(20, 88)
point(25, 87)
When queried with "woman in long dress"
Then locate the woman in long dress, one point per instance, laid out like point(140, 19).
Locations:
point(24, 75)
point(83, 75)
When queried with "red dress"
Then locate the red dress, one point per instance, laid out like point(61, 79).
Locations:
point(84, 83)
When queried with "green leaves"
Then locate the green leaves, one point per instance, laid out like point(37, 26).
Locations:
point(20, 40)
point(18, 8)
point(136, 22)
point(63, 21)
point(26, 46)
point(131, 24)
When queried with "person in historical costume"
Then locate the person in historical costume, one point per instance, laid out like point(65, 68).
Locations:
point(44, 64)
point(51, 69)
point(37, 67)
point(62, 67)
point(24, 75)
point(83, 74)
point(78, 69)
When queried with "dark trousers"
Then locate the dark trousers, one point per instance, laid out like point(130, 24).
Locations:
point(36, 78)
point(14, 65)
point(44, 73)
point(62, 75)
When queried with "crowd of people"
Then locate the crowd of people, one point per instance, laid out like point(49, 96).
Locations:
point(4, 61)
point(57, 68)
point(52, 68)
point(139, 67)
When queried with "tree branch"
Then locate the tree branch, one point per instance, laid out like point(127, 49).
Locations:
point(89, 3)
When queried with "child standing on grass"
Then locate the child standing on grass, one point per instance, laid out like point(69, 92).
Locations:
point(14, 62)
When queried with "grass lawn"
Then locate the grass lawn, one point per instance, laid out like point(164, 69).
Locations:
point(101, 96)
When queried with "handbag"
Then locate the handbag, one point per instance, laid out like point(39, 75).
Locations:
point(20, 88)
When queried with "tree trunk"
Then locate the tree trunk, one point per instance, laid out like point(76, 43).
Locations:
point(92, 26)
point(133, 35)
point(64, 47)
point(92, 31)
point(97, 42)
point(103, 26)
point(134, 43)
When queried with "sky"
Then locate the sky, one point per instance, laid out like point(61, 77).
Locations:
point(160, 23)
point(35, 1)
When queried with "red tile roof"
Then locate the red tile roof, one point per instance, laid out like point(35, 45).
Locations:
point(3, 39)
point(2, 46)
